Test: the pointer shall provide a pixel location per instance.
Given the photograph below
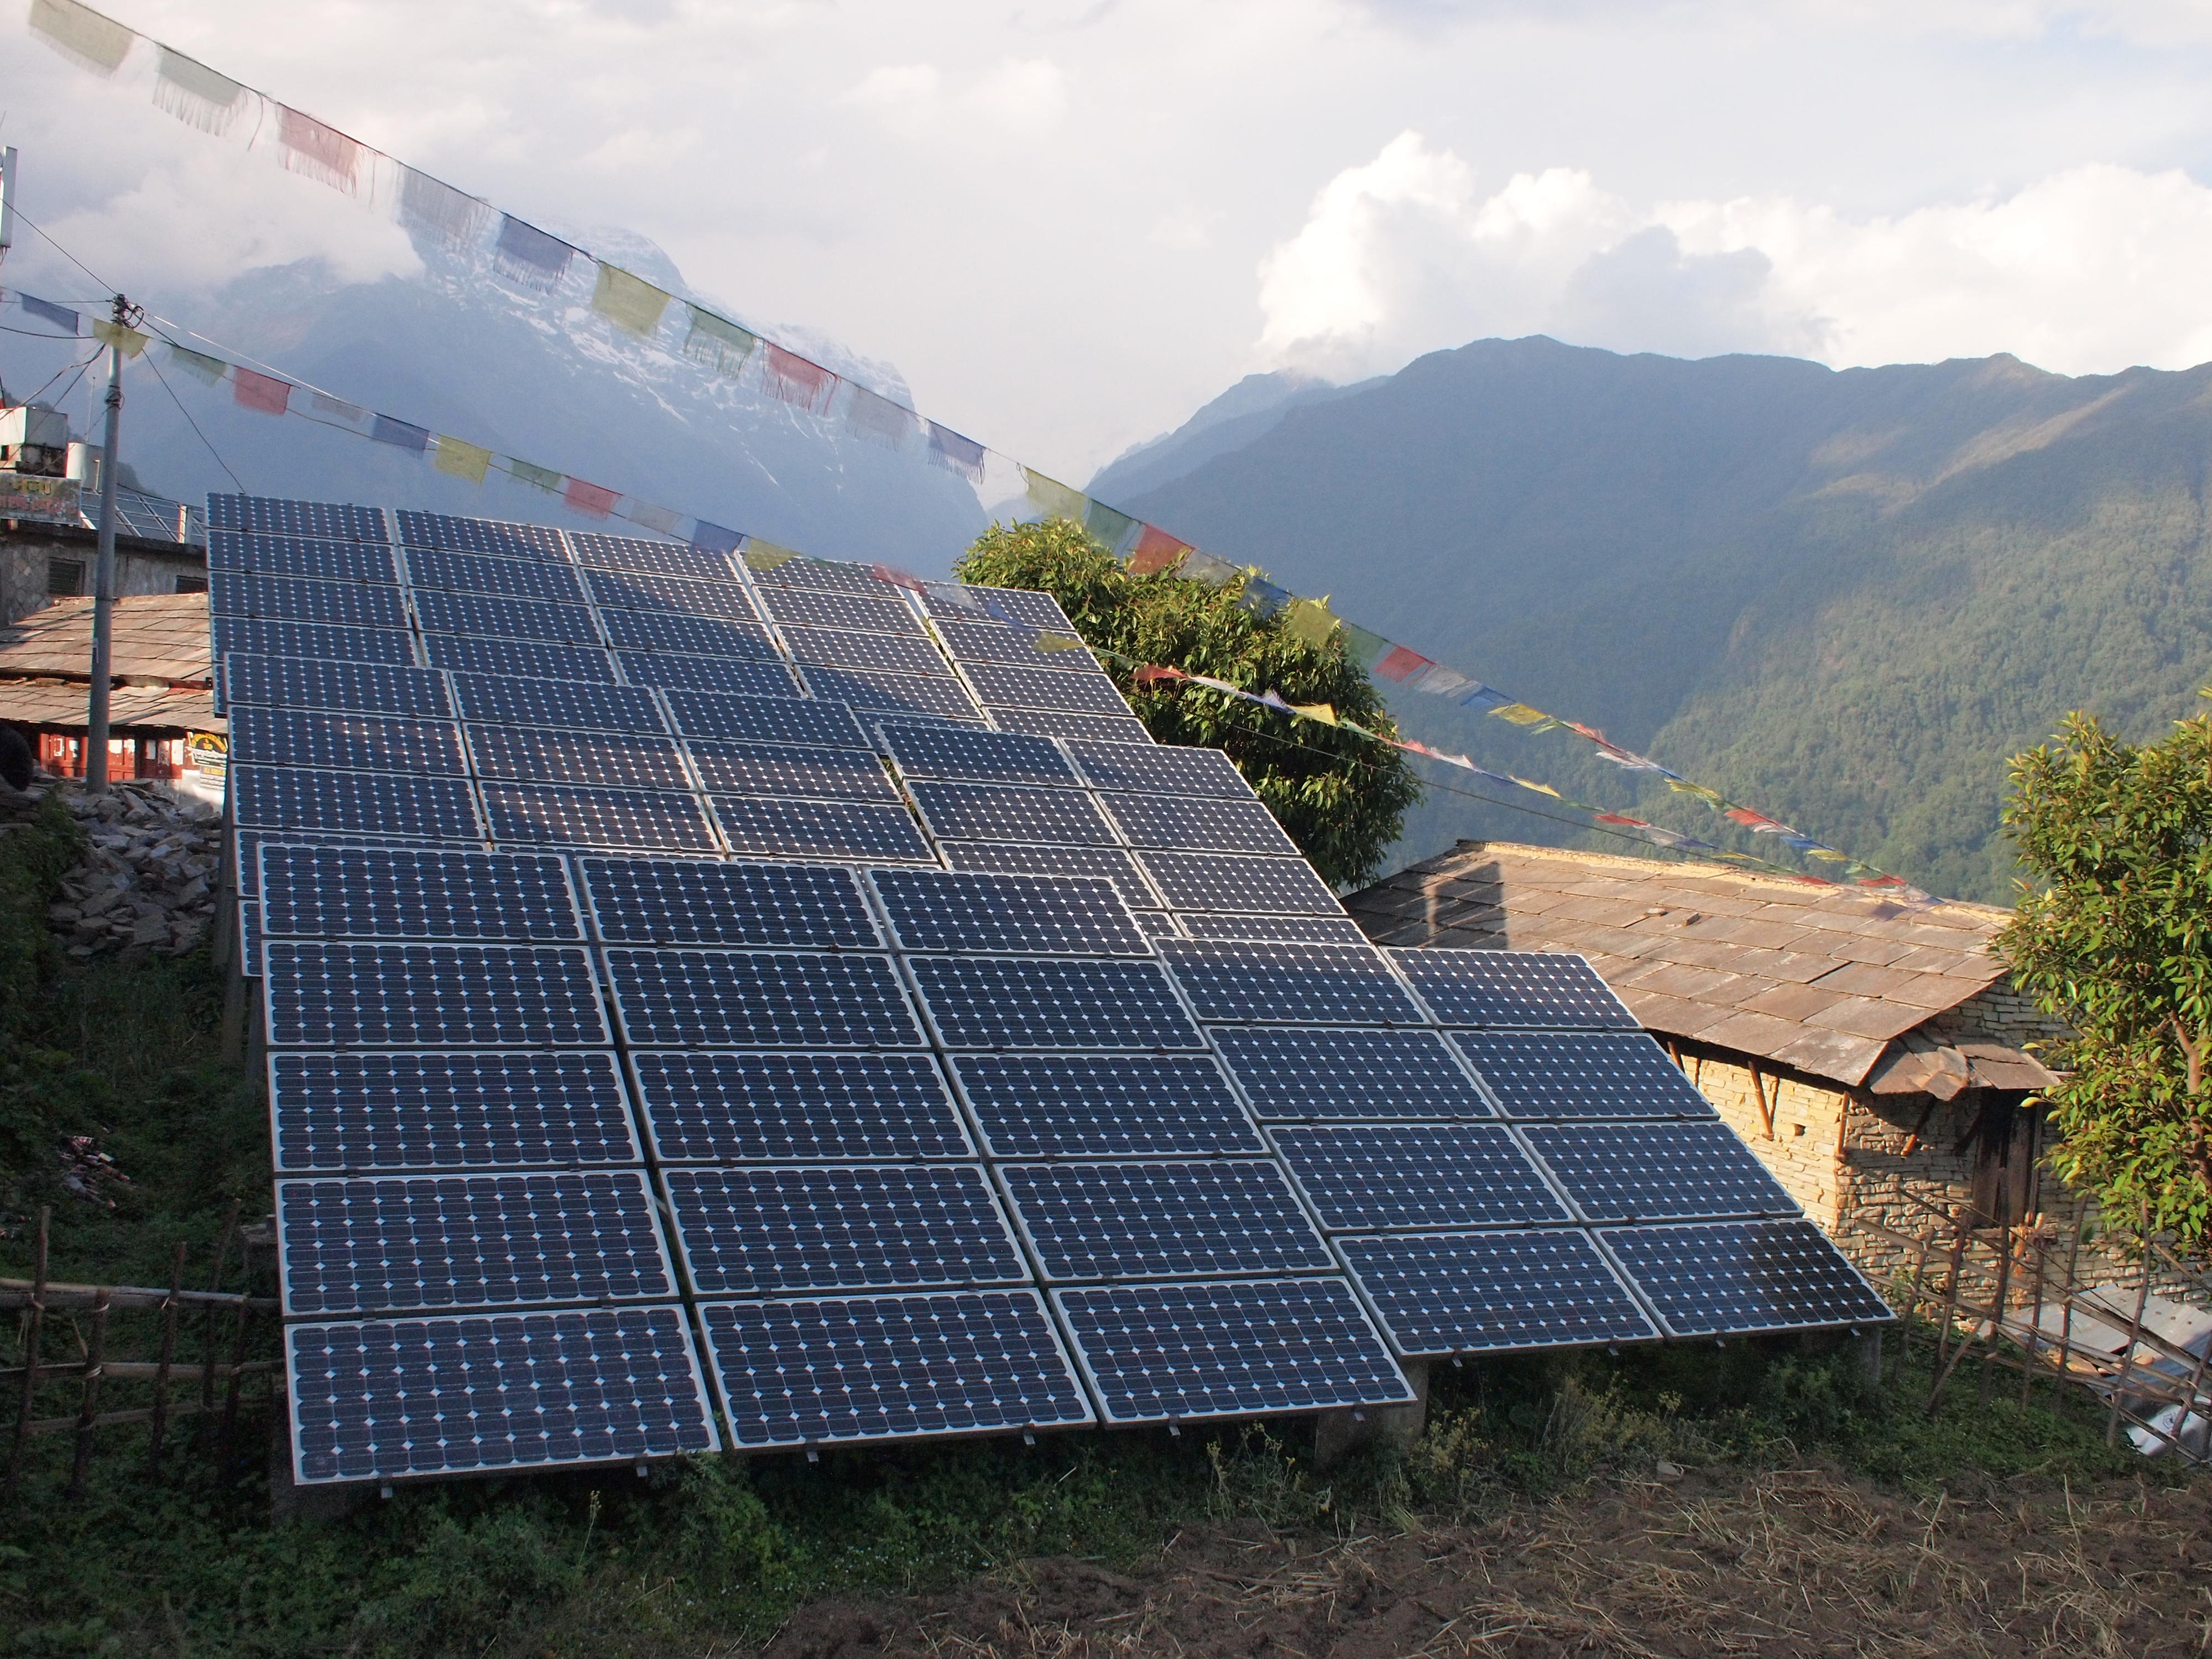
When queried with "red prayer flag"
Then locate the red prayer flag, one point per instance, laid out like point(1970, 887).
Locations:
point(797, 381)
point(898, 578)
point(1400, 664)
point(590, 498)
point(262, 391)
point(1616, 818)
point(1151, 673)
point(1155, 551)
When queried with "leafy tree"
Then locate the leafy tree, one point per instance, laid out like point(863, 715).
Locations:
point(2115, 938)
point(1340, 797)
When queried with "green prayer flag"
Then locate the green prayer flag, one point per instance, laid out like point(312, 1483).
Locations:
point(198, 364)
point(1365, 648)
point(718, 342)
point(544, 477)
point(1053, 499)
point(1108, 526)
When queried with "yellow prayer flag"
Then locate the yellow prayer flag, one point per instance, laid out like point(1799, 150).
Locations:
point(1308, 622)
point(1540, 788)
point(1057, 642)
point(1826, 856)
point(630, 302)
point(130, 340)
point(1682, 787)
point(1520, 714)
point(462, 459)
point(765, 555)
point(1325, 713)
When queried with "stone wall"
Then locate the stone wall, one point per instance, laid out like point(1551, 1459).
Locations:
point(27, 556)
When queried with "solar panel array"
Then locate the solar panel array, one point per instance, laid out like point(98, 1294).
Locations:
point(708, 1005)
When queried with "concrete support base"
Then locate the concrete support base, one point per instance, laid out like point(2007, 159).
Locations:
point(1338, 1434)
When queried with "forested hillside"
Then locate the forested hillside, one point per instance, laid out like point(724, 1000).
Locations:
point(1846, 596)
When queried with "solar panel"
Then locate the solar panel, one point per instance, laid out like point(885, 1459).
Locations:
point(983, 812)
point(749, 769)
point(1228, 1348)
point(545, 815)
point(869, 1227)
point(622, 760)
point(380, 803)
point(821, 829)
point(387, 1398)
point(1538, 988)
point(886, 1368)
point(1003, 687)
point(820, 576)
point(1288, 1073)
point(542, 659)
point(1658, 1171)
point(325, 995)
point(415, 892)
point(274, 517)
point(893, 654)
point(740, 1108)
point(700, 902)
point(287, 598)
point(1307, 930)
point(1187, 822)
point(645, 558)
point(1373, 1177)
point(766, 720)
point(961, 753)
point(352, 687)
point(1447, 1293)
point(1090, 1221)
point(1743, 1277)
point(1104, 863)
point(944, 910)
point(1594, 1075)
point(752, 679)
point(986, 641)
point(1031, 1002)
point(1104, 1106)
point(868, 612)
point(579, 704)
point(759, 999)
point(700, 636)
point(300, 736)
point(504, 618)
point(249, 940)
point(516, 541)
point(246, 863)
point(285, 555)
point(1017, 606)
point(1290, 984)
point(631, 591)
point(909, 694)
point(1156, 924)
point(475, 573)
point(1161, 769)
point(405, 1243)
point(1089, 728)
point(261, 638)
point(1200, 881)
point(400, 1110)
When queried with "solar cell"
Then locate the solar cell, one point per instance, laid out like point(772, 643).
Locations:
point(286, 555)
point(1018, 606)
point(258, 637)
point(698, 636)
point(515, 541)
point(476, 573)
point(630, 591)
point(1594, 1075)
point(880, 612)
point(1104, 1106)
point(249, 940)
point(545, 815)
point(1288, 1073)
point(1002, 686)
point(1538, 988)
point(1057, 723)
point(1742, 1277)
point(1032, 1002)
point(1200, 881)
point(762, 679)
point(621, 760)
point(944, 911)
point(1153, 1220)
point(888, 1368)
point(579, 704)
point(274, 517)
point(821, 829)
point(991, 642)
point(646, 558)
point(1658, 1171)
point(504, 618)
point(395, 1109)
point(960, 754)
point(288, 598)
point(711, 901)
point(1228, 1348)
point(415, 892)
point(910, 694)
point(1290, 984)
point(760, 768)
point(1105, 863)
point(1446, 1293)
point(880, 1227)
point(387, 1398)
point(542, 660)
point(1310, 930)
point(249, 843)
point(406, 1244)
point(378, 803)
point(759, 999)
point(301, 737)
point(893, 654)
point(1374, 1177)
point(352, 687)
point(1156, 924)
point(766, 720)
point(325, 995)
point(983, 812)
point(1157, 768)
point(756, 1107)
point(1188, 822)
point(820, 576)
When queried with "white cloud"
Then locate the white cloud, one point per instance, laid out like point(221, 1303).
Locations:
point(1024, 95)
point(895, 85)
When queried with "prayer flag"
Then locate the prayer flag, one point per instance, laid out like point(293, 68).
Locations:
point(544, 476)
point(1540, 788)
point(262, 391)
point(799, 381)
point(629, 302)
point(1053, 499)
point(1827, 855)
point(876, 418)
point(528, 255)
point(317, 151)
point(718, 342)
point(198, 364)
point(898, 578)
point(1683, 787)
point(129, 341)
point(400, 435)
point(1521, 714)
point(60, 316)
point(765, 555)
point(949, 450)
point(1051, 641)
point(462, 460)
point(1154, 673)
point(337, 409)
point(436, 208)
point(590, 498)
point(1400, 664)
point(194, 94)
point(81, 35)
point(1441, 681)
point(1310, 622)
point(1315, 711)
point(1484, 696)
point(1214, 573)
point(653, 518)
point(1616, 818)
point(1108, 526)
point(1155, 551)
point(1262, 598)
point(1365, 649)
point(710, 537)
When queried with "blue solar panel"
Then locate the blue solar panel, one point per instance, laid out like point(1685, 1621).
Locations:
point(1532, 988)
point(546, 814)
point(1090, 1221)
point(698, 636)
point(943, 911)
point(506, 618)
point(635, 591)
point(761, 768)
point(387, 1398)
point(518, 659)
point(1587, 1075)
point(1290, 984)
point(1658, 1171)
point(1003, 687)
point(1310, 930)
point(891, 1367)
point(323, 995)
point(646, 558)
point(867, 612)
point(1155, 769)
point(344, 742)
point(961, 753)
point(286, 555)
point(394, 1109)
point(383, 803)
point(869, 1227)
point(760, 1107)
point(713, 674)
point(1446, 1293)
point(1206, 881)
point(353, 687)
point(1198, 824)
point(476, 573)
point(1100, 863)
point(821, 576)
point(698, 902)
point(1288, 1073)
point(580, 705)
point(274, 516)
point(285, 598)
point(821, 829)
point(515, 541)
point(249, 843)
point(261, 638)
point(910, 694)
point(1370, 1177)
point(766, 720)
point(620, 760)
point(415, 1243)
point(759, 999)
point(1233, 1348)
point(1034, 1002)
point(249, 938)
point(995, 642)
point(1737, 1278)
point(1084, 728)
point(1104, 1106)
point(983, 812)
point(890, 653)
point(1008, 606)
point(415, 892)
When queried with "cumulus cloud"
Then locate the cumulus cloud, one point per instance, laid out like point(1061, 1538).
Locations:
point(2090, 270)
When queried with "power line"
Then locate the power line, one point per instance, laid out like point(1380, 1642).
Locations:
point(195, 426)
point(65, 253)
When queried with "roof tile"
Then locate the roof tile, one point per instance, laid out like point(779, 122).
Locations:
point(1868, 1017)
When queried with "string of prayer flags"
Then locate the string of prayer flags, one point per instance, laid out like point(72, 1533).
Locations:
point(1109, 527)
point(719, 343)
point(529, 256)
point(401, 435)
point(1310, 622)
point(1053, 499)
point(337, 411)
point(198, 364)
point(710, 537)
point(799, 381)
point(1157, 551)
point(764, 557)
point(541, 477)
point(80, 34)
point(629, 302)
point(590, 498)
point(129, 341)
point(196, 94)
point(1262, 598)
point(257, 391)
point(871, 415)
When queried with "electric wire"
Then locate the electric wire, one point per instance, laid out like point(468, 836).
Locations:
point(195, 426)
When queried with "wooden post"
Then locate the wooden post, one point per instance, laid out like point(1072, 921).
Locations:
point(1950, 1303)
point(2073, 1285)
point(95, 1354)
point(207, 1322)
point(1997, 1322)
point(1758, 1093)
point(168, 1355)
point(2034, 1324)
point(2134, 1335)
point(31, 1329)
point(237, 1376)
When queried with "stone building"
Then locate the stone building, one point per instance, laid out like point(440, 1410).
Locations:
point(1862, 1048)
point(45, 559)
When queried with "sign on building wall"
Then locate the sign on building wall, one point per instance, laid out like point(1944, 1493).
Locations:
point(24, 497)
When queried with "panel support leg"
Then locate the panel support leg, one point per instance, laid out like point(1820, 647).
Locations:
point(1339, 1433)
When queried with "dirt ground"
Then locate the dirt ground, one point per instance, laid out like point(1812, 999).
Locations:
point(1793, 1562)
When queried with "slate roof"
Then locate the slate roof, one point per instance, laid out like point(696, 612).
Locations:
point(64, 702)
point(160, 639)
point(1825, 980)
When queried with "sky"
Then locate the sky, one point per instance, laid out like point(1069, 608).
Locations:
point(1069, 222)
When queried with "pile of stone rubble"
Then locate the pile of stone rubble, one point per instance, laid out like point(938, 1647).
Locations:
point(148, 882)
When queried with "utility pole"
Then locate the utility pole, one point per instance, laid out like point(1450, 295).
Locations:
point(103, 586)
